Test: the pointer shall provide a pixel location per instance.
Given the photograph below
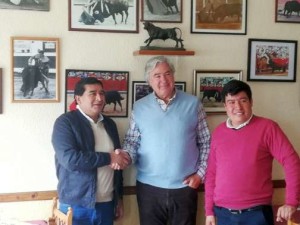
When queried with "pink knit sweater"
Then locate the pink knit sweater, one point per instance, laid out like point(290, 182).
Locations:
point(239, 173)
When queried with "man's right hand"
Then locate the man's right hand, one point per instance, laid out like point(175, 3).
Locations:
point(119, 159)
point(210, 220)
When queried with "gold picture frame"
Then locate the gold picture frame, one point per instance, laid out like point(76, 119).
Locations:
point(220, 17)
point(39, 57)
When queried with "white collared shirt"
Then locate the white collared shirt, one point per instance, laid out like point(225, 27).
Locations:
point(89, 118)
point(229, 123)
point(162, 104)
point(105, 174)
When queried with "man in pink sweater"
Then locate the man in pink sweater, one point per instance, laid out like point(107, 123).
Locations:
point(238, 187)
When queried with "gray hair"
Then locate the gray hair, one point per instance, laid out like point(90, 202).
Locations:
point(151, 64)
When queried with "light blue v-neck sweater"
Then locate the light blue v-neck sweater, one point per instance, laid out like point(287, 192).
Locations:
point(168, 152)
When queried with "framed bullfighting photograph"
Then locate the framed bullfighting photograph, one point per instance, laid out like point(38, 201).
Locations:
point(208, 85)
point(287, 11)
point(272, 60)
point(167, 11)
point(35, 69)
point(104, 16)
point(115, 84)
point(141, 88)
point(38, 5)
point(219, 17)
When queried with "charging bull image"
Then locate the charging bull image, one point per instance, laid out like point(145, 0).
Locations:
point(113, 97)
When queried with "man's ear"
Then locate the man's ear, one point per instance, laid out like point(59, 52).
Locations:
point(77, 99)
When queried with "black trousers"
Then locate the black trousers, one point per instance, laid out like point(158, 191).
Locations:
point(159, 206)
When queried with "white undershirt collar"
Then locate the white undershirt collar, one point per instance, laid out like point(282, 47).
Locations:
point(229, 123)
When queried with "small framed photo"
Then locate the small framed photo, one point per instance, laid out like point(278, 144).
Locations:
point(219, 17)
point(1, 100)
point(287, 11)
point(272, 60)
point(104, 16)
point(39, 5)
point(167, 11)
point(35, 69)
point(115, 86)
point(208, 85)
point(180, 85)
point(141, 88)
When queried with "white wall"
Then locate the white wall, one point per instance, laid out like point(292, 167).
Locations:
point(26, 154)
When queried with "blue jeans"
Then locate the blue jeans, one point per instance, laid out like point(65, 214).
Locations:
point(160, 206)
point(102, 214)
point(262, 216)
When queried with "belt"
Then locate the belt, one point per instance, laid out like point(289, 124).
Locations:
point(240, 211)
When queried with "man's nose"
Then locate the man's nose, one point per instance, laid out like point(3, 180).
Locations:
point(100, 97)
point(238, 104)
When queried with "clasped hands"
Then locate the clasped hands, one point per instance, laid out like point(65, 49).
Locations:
point(119, 159)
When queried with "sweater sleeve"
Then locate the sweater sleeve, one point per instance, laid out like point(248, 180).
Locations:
point(210, 182)
point(283, 151)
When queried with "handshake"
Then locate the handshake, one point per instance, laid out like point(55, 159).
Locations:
point(119, 159)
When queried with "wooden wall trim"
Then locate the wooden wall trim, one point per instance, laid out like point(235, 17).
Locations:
point(48, 195)
point(27, 196)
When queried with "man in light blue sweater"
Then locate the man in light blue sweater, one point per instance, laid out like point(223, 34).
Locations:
point(168, 140)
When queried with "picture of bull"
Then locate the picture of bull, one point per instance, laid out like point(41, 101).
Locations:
point(163, 34)
point(170, 4)
point(212, 94)
point(113, 8)
point(227, 10)
point(277, 63)
point(113, 97)
point(290, 7)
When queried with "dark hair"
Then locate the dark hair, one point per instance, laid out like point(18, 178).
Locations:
point(234, 87)
point(80, 85)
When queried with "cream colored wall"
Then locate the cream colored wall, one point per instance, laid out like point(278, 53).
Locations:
point(26, 155)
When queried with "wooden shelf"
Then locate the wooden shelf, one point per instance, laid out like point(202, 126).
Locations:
point(164, 52)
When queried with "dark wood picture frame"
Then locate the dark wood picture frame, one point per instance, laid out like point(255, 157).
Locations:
point(286, 11)
point(161, 11)
point(116, 85)
point(209, 18)
point(208, 85)
point(272, 60)
point(45, 86)
point(83, 17)
point(36, 5)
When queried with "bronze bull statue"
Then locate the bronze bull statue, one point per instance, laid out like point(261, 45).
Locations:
point(163, 34)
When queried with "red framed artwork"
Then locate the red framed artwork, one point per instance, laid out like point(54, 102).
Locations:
point(115, 86)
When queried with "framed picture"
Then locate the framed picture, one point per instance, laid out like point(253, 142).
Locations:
point(104, 16)
point(287, 11)
point(40, 5)
point(1, 100)
point(272, 60)
point(162, 11)
point(208, 85)
point(115, 85)
point(141, 88)
point(219, 17)
point(35, 69)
